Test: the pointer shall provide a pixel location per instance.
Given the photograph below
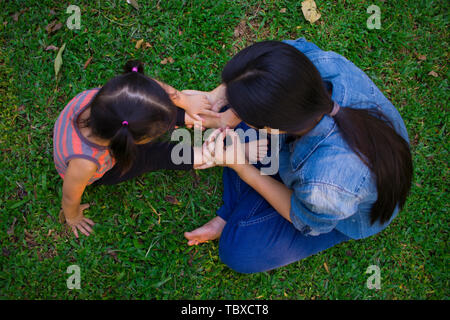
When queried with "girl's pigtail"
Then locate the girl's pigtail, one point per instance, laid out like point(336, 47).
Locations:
point(123, 148)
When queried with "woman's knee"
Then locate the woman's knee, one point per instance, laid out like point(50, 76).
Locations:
point(241, 258)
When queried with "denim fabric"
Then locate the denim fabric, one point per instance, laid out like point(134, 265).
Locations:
point(333, 188)
point(257, 238)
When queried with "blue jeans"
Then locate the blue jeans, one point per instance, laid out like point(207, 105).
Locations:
point(257, 238)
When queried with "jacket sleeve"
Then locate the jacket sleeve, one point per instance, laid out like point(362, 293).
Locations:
point(317, 208)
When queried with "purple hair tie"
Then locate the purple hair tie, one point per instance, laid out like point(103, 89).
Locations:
point(124, 123)
point(135, 69)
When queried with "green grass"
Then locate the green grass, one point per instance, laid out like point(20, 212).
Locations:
point(135, 253)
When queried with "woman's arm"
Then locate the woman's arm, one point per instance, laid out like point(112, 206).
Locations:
point(78, 173)
point(275, 192)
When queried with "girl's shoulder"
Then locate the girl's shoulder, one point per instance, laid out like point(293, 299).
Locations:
point(84, 97)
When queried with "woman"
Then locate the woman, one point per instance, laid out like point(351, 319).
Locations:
point(345, 166)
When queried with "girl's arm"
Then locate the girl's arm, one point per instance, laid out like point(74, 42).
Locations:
point(193, 104)
point(217, 98)
point(78, 173)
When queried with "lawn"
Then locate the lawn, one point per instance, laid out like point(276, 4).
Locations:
point(138, 250)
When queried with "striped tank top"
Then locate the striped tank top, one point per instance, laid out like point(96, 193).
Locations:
point(69, 143)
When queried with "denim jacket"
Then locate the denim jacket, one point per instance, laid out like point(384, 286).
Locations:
point(333, 188)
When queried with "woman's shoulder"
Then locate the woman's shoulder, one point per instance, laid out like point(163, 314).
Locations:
point(334, 165)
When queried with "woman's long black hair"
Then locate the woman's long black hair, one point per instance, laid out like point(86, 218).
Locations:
point(273, 84)
point(136, 99)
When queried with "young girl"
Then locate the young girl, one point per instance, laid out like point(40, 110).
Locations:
point(102, 136)
point(106, 135)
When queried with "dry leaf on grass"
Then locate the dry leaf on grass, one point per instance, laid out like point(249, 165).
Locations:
point(309, 9)
point(139, 43)
point(134, 4)
point(433, 74)
point(58, 60)
point(422, 57)
point(167, 60)
point(326, 267)
point(10, 231)
point(171, 199)
point(53, 26)
point(51, 47)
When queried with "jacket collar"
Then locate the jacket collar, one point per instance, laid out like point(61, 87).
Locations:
point(302, 148)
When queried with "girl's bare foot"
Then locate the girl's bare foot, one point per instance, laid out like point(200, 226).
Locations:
point(209, 231)
point(256, 150)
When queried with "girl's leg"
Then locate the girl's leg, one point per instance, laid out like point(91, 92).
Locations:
point(150, 157)
point(256, 238)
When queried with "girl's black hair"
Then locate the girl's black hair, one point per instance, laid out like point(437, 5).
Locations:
point(137, 99)
point(273, 84)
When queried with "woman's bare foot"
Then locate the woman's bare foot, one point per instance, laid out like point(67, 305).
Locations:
point(209, 231)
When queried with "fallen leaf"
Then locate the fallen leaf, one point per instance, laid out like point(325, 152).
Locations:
point(16, 16)
point(88, 61)
point(53, 26)
point(51, 47)
point(134, 4)
point(171, 199)
point(326, 267)
point(283, 10)
point(310, 12)
point(58, 60)
point(139, 43)
point(57, 27)
point(146, 45)
point(10, 231)
point(50, 26)
point(422, 57)
point(240, 29)
point(433, 73)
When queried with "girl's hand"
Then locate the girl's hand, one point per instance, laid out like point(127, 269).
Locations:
point(216, 152)
point(80, 222)
point(198, 104)
point(217, 97)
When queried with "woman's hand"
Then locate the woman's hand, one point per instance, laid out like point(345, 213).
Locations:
point(79, 222)
point(217, 100)
point(217, 97)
